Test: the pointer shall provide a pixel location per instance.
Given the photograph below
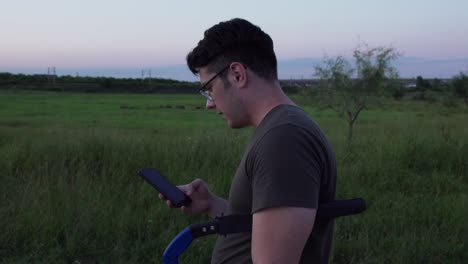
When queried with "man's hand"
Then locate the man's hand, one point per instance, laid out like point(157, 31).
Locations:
point(280, 234)
point(203, 201)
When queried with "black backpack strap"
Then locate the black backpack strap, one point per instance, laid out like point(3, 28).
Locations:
point(340, 208)
point(230, 224)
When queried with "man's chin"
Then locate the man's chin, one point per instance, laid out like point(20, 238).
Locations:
point(234, 125)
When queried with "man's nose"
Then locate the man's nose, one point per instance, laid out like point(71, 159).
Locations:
point(210, 104)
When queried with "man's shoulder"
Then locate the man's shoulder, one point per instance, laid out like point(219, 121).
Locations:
point(286, 120)
point(289, 129)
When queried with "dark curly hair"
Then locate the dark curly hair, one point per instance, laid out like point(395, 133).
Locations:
point(235, 40)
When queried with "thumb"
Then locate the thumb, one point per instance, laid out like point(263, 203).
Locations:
point(197, 185)
point(194, 186)
point(186, 188)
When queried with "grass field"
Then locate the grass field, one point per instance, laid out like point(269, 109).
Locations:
point(70, 193)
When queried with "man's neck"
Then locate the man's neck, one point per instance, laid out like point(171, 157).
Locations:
point(264, 100)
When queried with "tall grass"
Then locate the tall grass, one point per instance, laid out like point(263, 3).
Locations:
point(69, 191)
point(69, 194)
point(414, 176)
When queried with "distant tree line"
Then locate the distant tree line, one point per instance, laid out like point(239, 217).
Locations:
point(433, 90)
point(93, 84)
point(108, 84)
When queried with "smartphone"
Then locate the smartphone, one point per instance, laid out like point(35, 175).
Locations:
point(166, 188)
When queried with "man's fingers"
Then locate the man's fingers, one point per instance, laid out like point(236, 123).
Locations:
point(170, 204)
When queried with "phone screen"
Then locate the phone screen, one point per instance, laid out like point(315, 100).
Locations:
point(166, 188)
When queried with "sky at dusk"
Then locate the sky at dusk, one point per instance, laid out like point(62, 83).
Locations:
point(121, 38)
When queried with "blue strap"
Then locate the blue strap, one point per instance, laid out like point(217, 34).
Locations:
point(177, 246)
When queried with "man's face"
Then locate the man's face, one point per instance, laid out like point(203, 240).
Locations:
point(223, 96)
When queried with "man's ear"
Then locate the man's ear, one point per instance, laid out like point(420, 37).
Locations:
point(240, 73)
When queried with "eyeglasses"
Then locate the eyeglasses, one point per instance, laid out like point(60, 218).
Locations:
point(204, 91)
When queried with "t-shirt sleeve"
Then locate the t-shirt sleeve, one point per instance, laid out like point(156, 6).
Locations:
point(286, 169)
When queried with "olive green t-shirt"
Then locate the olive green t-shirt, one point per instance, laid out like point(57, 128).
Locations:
point(288, 162)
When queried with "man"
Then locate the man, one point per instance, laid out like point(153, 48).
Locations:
point(288, 168)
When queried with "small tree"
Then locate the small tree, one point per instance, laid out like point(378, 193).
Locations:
point(460, 86)
point(347, 89)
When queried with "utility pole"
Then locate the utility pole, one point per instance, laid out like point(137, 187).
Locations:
point(53, 76)
point(48, 75)
point(149, 75)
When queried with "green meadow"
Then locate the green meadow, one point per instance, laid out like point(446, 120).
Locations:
point(69, 192)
